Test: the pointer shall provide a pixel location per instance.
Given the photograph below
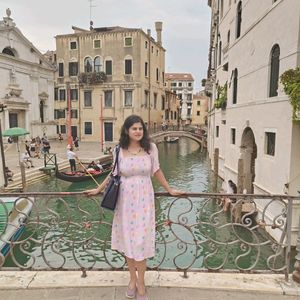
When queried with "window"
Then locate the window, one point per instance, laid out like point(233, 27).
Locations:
point(73, 68)
point(146, 69)
point(74, 94)
point(127, 98)
point(55, 94)
point(162, 102)
point(179, 96)
point(88, 65)
point(217, 131)
point(97, 44)
point(180, 84)
point(74, 113)
point(8, 51)
point(97, 64)
point(108, 67)
point(228, 37)
point(163, 77)
point(146, 44)
point(233, 133)
point(198, 112)
point(73, 45)
point(235, 86)
point(274, 71)
point(128, 66)
point(88, 128)
point(239, 19)
point(87, 98)
point(157, 74)
point(61, 70)
point(146, 94)
point(63, 129)
point(155, 101)
point(189, 97)
point(173, 84)
point(220, 53)
point(59, 114)
point(108, 98)
point(190, 84)
point(270, 139)
point(175, 115)
point(108, 131)
point(128, 41)
point(198, 102)
point(62, 94)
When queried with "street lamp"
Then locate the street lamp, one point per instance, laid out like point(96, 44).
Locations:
point(2, 106)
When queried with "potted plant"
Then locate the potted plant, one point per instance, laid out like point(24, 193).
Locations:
point(291, 86)
point(221, 100)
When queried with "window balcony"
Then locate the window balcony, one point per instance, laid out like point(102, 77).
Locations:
point(92, 78)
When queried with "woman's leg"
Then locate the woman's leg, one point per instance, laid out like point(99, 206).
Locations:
point(141, 269)
point(132, 271)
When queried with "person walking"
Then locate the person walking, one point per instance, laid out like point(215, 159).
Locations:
point(133, 228)
point(76, 143)
point(72, 159)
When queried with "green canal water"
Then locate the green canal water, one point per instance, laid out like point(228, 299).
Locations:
point(186, 167)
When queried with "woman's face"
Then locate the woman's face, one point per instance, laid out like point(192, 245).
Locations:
point(136, 132)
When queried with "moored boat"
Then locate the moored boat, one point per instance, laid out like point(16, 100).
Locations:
point(13, 215)
point(172, 139)
point(84, 175)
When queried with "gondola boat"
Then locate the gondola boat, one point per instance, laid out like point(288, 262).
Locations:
point(84, 175)
point(13, 215)
point(172, 139)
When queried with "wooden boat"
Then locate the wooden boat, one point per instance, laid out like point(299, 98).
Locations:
point(84, 175)
point(13, 215)
point(172, 139)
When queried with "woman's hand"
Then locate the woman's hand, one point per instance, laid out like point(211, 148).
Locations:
point(176, 192)
point(92, 192)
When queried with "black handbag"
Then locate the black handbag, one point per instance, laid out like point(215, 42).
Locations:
point(111, 192)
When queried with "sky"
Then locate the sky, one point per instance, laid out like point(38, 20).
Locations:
point(185, 34)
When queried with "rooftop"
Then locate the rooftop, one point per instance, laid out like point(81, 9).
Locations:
point(179, 76)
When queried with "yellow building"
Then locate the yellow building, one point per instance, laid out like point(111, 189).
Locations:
point(111, 72)
point(200, 109)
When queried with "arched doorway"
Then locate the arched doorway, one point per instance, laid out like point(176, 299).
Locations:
point(248, 154)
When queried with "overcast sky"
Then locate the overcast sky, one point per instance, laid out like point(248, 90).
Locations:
point(185, 32)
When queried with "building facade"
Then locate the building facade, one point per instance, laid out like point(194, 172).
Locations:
point(108, 74)
point(250, 117)
point(182, 84)
point(27, 83)
point(200, 109)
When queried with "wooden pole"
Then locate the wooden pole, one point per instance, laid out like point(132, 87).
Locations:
point(216, 169)
point(70, 139)
point(101, 123)
point(23, 176)
point(240, 186)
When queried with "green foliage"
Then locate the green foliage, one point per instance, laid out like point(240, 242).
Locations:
point(92, 78)
point(291, 86)
point(221, 101)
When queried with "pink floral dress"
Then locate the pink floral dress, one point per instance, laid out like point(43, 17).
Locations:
point(133, 228)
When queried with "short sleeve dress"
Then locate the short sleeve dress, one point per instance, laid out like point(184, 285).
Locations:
point(133, 228)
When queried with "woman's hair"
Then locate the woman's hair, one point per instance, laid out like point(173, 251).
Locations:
point(124, 138)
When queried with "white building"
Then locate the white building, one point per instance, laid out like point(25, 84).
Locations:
point(27, 83)
point(183, 85)
point(252, 44)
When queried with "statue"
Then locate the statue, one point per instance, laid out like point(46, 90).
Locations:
point(8, 12)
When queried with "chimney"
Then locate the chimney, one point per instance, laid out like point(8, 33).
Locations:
point(149, 32)
point(158, 27)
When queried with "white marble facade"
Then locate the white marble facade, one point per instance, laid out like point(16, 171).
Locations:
point(27, 83)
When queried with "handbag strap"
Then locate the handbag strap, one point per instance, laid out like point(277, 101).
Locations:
point(116, 164)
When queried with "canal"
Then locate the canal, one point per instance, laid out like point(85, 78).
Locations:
point(191, 233)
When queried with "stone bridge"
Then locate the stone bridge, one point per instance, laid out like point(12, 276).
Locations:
point(159, 137)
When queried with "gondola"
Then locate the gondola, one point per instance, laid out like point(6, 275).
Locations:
point(172, 139)
point(83, 175)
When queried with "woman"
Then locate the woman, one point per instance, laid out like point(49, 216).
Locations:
point(133, 228)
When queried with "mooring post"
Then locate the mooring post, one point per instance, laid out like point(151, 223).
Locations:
point(237, 213)
point(23, 176)
point(296, 273)
point(216, 170)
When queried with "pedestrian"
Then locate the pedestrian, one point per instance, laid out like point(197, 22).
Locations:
point(27, 147)
point(60, 138)
point(76, 143)
point(231, 189)
point(10, 140)
point(133, 228)
point(72, 159)
point(26, 159)
point(9, 174)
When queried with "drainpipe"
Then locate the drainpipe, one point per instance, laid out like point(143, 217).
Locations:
point(2, 154)
point(149, 74)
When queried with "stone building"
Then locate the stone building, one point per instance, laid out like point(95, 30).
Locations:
point(200, 108)
point(252, 44)
point(109, 73)
point(171, 108)
point(27, 83)
point(183, 85)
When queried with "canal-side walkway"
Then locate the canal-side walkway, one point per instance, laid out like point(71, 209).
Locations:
point(162, 285)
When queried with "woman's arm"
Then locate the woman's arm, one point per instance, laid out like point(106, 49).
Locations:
point(159, 175)
point(100, 188)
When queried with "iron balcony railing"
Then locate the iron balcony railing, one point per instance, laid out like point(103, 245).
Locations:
point(69, 231)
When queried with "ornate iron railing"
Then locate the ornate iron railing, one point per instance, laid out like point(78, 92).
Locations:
point(69, 231)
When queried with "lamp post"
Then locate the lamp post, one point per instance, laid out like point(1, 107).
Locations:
point(2, 148)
